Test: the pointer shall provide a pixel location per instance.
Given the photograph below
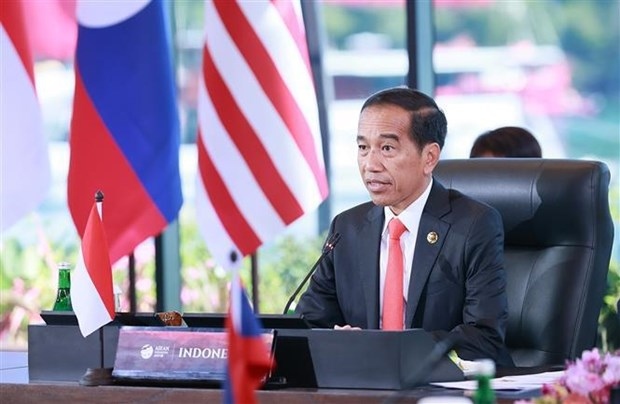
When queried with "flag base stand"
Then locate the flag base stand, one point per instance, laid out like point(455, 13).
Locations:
point(97, 377)
point(59, 353)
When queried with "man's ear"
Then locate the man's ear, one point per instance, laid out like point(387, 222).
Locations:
point(430, 156)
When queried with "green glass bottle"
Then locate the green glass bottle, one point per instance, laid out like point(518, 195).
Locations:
point(63, 296)
point(485, 371)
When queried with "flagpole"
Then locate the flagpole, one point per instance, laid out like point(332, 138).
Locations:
point(313, 24)
point(99, 201)
point(235, 283)
point(133, 305)
point(255, 282)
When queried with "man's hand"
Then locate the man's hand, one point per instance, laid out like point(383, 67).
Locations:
point(346, 327)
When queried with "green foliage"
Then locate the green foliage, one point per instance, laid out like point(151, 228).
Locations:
point(188, 14)
point(205, 285)
point(145, 278)
point(28, 281)
point(341, 21)
point(609, 319)
point(281, 266)
point(483, 27)
point(282, 269)
point(589, 31)
point(29, 278)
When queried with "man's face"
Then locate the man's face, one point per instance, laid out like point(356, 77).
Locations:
point(394, 170)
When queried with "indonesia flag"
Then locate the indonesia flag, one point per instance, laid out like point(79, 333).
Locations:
point(92, 295)
point(248, 355)
point(23, 149)
point(259, 148)
point(125, 127)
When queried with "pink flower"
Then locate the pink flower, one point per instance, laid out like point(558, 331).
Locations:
point(591, 361)
point(611, 375)
point(580, 381)
point(588, 379)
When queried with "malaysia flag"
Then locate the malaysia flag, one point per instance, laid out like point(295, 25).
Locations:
point(25, 168)
point(259, 148)
point(125, 127)
point(92, 295)
point(248, 355)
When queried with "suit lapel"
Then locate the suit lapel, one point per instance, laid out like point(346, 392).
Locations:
point(426, 251)
point(368, 261)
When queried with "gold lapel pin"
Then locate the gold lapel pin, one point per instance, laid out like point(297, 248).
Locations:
point(432, 237)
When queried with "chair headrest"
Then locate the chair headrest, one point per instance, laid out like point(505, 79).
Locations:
point(542, 201)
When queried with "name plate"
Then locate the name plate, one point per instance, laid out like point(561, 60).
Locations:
point(173, 354)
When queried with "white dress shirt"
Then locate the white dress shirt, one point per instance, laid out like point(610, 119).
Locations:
point(410, 217)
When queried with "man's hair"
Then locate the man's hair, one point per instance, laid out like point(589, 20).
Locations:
point(428, 122)
point(507, 141)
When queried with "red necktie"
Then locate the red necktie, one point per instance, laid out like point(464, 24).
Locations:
point(393, 299)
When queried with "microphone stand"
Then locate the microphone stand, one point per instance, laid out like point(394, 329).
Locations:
point(327, 248)
point(429, 363)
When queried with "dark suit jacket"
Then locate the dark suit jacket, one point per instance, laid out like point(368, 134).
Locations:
point(457, 283)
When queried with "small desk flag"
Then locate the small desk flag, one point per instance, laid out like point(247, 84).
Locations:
point(248, 355)
point(91, 289)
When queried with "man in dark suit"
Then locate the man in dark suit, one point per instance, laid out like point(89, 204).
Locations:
point(452, 246)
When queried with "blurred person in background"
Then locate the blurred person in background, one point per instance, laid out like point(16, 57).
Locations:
point(507, 141)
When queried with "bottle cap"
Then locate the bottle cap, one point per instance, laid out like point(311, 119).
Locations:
point(444, 400)
point(485, 367)
point(64, 265)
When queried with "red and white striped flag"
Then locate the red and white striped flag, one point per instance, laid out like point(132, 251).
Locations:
point(92, 295)
point(25, 171)
point(259, 147)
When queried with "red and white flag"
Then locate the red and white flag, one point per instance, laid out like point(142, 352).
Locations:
point(25, 168)
point(92, 293)
point(259, 148)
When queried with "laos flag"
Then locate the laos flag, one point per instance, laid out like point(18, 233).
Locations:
point(125, 127)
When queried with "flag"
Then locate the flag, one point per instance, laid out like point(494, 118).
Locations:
point(125, 127)
point(23, 148)
point(53, 28)
point(248, 355)
point(259, 147)
point(92, 295)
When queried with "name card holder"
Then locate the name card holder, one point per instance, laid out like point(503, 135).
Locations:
point(171, 355)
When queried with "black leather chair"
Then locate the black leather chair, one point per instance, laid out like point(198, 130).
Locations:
point(558, 242)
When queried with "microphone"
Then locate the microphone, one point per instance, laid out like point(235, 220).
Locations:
point(327, 248)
